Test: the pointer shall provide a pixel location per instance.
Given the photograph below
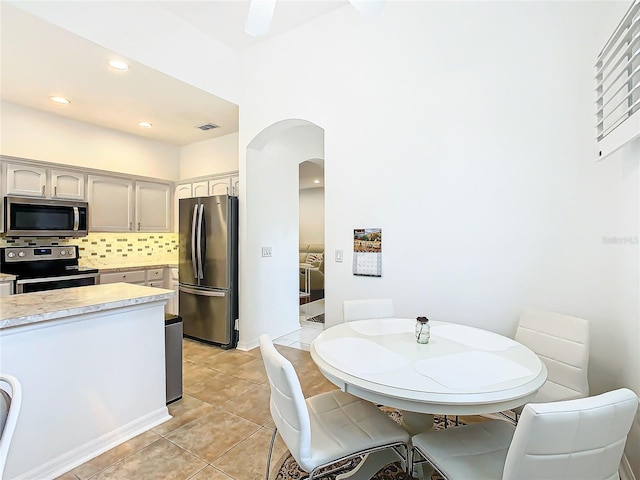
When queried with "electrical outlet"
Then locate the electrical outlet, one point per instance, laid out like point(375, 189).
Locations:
point(266, 251)
point(339, 256)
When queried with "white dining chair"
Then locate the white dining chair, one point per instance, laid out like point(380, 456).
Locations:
point(326, 428)
point(574, 439)
point(10, 401)
point(562, 343)
point(367, 308)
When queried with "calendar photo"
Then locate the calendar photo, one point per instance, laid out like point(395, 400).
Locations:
point(367, 252)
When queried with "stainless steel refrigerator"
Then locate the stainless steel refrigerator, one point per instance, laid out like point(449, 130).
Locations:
point(208, 268)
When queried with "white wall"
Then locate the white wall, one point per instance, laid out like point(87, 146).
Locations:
point(38, 135)
point(464, 131)
point(217, 155)
point(615, 356)
point(312, 215)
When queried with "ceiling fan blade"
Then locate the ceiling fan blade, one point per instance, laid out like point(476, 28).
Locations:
point(368, 8)
point(259, 17)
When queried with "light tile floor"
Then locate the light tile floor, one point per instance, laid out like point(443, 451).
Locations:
point(309, 310)
point(221, 428)
point(301, 338)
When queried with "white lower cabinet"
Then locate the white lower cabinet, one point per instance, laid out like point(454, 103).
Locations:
point(151, 277)
point(129, 276)
point(6, 288)
point(155, 275)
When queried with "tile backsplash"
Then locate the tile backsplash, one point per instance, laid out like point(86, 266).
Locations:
point(98, 249)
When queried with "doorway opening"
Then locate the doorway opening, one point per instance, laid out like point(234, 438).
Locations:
point(311, 235)
point(269, 217)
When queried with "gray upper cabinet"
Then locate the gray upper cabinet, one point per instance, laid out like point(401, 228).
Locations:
point(153, 207)
point(200, 189)
point(26, 180)
point(226, 184)
point(110, 204)
point(67, 184)
point(36, 181)
point(123, 205)
point(183, 190)
point(220, 186)
point(235, 185)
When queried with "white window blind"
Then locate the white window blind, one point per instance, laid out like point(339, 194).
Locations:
point(618, 85)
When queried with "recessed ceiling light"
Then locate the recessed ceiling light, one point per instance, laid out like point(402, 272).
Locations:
point(60, 100)
point(316, 181)
point(145, 124)
point(119, 65)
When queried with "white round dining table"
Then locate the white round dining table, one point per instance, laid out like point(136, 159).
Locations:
point(461, 371)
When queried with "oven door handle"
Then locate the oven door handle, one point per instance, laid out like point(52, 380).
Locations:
point(55, 279)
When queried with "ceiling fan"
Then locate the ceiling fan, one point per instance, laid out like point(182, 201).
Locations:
point(261, 13)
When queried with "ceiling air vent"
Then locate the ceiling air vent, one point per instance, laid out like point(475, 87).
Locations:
point(208, 126)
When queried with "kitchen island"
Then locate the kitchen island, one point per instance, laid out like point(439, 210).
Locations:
point(91, 363)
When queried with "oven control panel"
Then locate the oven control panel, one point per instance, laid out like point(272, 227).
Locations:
point(34, 254)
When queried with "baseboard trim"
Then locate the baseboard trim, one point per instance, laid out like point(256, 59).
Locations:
point(625, 469)
point(246, 346)
point(70, 460)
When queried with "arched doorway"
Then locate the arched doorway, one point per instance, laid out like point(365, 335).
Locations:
point(269, 218)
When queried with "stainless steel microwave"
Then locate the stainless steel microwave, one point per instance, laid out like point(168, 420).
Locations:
point(41, 217)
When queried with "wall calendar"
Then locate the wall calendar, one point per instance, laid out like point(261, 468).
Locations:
point(367, 252)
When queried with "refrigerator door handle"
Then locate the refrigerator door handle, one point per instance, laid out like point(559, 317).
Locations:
point(204, 293)
point(193, 239)
point(200, 247)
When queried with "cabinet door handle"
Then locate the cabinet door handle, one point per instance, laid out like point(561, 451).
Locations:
point(138, 226)
point(130, 226)
point(43, 190)
point(55, 191)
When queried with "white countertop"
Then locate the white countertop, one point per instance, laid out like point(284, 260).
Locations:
point(6, 277)
point(28, 308)
point(121, 267)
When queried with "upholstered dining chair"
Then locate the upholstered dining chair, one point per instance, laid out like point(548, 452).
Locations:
point(573, 439)
point(10, 400)
point(367, 308)
point(325, 428)
point(562, 343)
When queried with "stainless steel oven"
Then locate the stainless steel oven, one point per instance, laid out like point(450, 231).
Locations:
point(45, 268)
